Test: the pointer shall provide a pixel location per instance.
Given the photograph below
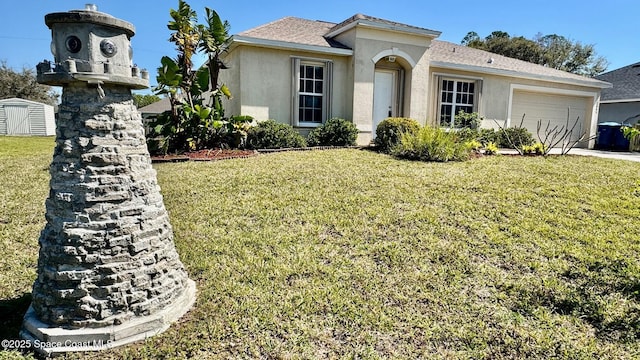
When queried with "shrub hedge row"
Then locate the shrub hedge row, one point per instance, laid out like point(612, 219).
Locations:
point(390, 134)
point(273, 135)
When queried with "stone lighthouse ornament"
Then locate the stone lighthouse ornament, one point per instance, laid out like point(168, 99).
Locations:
point(108, 272)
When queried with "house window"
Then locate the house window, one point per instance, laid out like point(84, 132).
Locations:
point(456, 96)
point(311, 89)
point(311, 93)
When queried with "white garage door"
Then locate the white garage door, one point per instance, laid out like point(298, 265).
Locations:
point(549, 108)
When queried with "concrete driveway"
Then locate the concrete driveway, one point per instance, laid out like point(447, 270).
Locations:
point(619, 155)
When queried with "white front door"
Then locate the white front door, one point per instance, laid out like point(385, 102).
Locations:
point(384, 96)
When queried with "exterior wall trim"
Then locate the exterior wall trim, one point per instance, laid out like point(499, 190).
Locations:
point(394, 52)
point(388, 27)
point(619, 101)
point(283, 45)
point(457, 76)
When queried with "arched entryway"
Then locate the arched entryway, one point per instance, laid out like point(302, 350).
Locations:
point(389, 81)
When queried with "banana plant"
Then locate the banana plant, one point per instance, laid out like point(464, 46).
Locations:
point(193, 121)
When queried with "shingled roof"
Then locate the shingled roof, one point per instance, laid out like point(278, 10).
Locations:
point(157, 107)
point(295, 30)
point(292, 30)
point(626, 84)
point(450, 55)
point(370, 20)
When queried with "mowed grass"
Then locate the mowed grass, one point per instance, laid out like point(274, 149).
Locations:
point(354, 254)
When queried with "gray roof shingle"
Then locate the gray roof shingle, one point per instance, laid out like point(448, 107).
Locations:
point(626, 83)
point(448, 54)
point(157, 107)
point(309, 32)
point(391, 24)
point(295, 30)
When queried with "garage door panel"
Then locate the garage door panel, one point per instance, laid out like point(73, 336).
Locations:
point(549, 109)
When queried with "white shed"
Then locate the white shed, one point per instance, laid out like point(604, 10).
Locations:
point(25, 117)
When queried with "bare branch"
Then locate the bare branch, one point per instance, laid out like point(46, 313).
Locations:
point(560, 135)
point(506, 135)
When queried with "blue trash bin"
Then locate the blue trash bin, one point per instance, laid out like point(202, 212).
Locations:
point(619, 141)
point(607, 134)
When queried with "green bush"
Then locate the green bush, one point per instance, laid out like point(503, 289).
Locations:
point(432, 144)
point(519, 137)
point(273, 135)
point(467, 134)
point(390, 130)
point(464, 120)
point(486, 136)
point(335, 132)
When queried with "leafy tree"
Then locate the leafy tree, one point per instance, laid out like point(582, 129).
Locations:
point(560, 53)
point(196, 119)
point(554, 51)
point(23, 85)
point(143, 100)
point(472, 39)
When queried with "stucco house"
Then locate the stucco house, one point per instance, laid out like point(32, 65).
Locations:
point(621, 103)
point(365, 69)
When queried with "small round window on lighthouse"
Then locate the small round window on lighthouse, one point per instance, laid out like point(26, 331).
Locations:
point(73, 44)
point(108, 48)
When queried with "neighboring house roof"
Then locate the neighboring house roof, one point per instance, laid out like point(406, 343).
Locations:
point(157, 107)
point(626, 84)
point(303, 34)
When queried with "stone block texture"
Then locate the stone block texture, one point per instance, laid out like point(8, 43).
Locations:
point(106, 254)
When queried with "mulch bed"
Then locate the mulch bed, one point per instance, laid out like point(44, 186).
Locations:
point(224, 154)
point(205, 155)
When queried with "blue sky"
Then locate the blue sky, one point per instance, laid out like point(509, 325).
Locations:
point(611, 25)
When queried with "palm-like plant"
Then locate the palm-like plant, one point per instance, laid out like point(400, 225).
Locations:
point(192, 123)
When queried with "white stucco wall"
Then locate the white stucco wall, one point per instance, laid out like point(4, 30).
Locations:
point(261, 82)
point(369, 46)
point(231, 78)
point(497, 96)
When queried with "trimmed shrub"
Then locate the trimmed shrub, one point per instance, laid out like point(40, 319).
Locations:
point(390, 130)
point(519, 137)
point(335, 132)
point(486, 136)
point(432, 144)
point(273, 135)
point(467, 134)
point(467, 120)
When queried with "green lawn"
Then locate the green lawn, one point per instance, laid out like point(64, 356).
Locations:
point(354, 254)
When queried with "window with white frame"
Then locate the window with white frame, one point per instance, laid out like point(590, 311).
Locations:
point(456, 95)
point(311, 89)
